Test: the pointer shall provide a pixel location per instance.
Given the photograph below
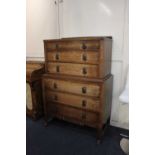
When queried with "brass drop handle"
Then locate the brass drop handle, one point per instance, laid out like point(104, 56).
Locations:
point(55, 86)
point(84, 57)
point(57, 68)
point(57, 46)
point(84, 71)
point(84, 47)
point(83, 116)
point(84, 90)
point(57, 56)
point(84, 103)
point(55, 97)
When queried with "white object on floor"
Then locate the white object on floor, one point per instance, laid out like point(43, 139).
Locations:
point(124, 97)
point(124, 143)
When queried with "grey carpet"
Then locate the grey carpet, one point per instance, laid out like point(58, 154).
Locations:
point(62, 138)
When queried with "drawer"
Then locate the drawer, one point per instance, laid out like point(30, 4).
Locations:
point(74, 56)
point(72, 87)
point(82, 45)
point(91, 118)
point(73, 69)
point(72, 100)
point(73, 115)
point(64, 111)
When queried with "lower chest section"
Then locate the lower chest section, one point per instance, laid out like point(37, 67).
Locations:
point(74, 101)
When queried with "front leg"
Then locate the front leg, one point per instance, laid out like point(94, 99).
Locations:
point(34, 115)
point(47, 120)
point(99, 135)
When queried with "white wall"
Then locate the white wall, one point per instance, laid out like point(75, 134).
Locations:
point(101, 18)
point(124, 108)
point(41, 23)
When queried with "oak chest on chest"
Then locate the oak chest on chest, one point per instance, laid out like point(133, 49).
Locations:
point(77, 86)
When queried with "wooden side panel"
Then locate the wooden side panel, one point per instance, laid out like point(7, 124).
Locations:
point(107, 98)
point(105, 57)
point(85, 89)
point(73, 100)
point(108, 55)
point(73, 69)
point(74, 56)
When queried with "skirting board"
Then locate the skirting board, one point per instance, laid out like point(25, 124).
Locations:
point(35, 59)
point(120, 125)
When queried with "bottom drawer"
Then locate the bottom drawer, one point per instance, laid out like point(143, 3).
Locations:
point(64, 111)
point(72, 114)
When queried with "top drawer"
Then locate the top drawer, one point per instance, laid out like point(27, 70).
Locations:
point(73, 45)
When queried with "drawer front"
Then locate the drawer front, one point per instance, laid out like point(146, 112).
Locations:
point(82, 45)
point(64, 111)
point(72, 87)
point(73, 69)
point(72, 100)
point(91, 118)
point(74, 56)
point(73, 115)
